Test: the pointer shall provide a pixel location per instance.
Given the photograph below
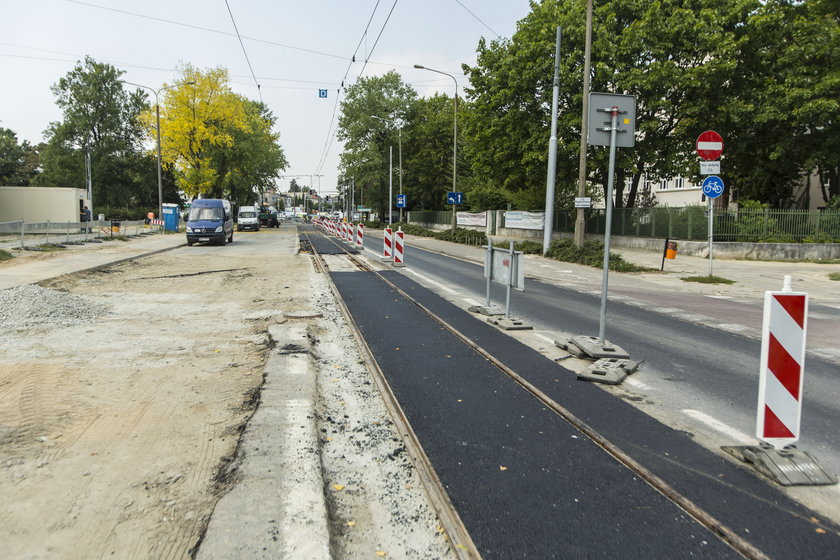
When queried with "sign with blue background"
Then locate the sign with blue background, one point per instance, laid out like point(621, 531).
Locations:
point(401, 201)
point(712, 186)
point(454, 198)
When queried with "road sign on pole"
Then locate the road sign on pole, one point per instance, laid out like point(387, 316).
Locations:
point(709, 145)
point(454, 197)
point(401, 201)
point(712, 186)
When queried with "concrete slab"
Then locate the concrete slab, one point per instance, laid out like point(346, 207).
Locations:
point(788, 467)
point(510, 324)
point(591, 345)
point(489, 310)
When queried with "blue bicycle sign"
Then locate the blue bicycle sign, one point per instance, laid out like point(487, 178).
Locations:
point(712, 186)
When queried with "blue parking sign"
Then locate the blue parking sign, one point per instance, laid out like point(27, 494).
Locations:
point(401, 199)
point(322, 93)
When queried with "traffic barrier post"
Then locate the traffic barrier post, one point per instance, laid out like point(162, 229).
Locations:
point(387, 255)
point(399, 247)
point(360, 233)
point(782, 366)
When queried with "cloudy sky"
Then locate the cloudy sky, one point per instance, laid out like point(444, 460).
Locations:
point(295, 48)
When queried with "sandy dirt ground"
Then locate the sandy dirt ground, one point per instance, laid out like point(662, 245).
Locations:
point(124, 391)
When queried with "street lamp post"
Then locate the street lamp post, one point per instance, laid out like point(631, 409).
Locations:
point(399, 132)
point(157, 127)
point(455, 136)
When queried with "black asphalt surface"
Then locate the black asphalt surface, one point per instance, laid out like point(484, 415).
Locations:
point(710, 365)
point(525, 482)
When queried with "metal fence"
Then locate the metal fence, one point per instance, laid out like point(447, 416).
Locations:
point(30, 234)
point(692, 223)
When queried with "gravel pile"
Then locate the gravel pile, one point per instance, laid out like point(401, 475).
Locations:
point(33, 306)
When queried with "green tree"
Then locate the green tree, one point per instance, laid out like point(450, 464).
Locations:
point(670, 54)
point(100, 117)
point(200, 114)
point(18, 161)
point(366, 139)
point(784, 120)
point(253, 160)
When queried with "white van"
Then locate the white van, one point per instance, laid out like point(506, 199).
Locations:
point(248, 218)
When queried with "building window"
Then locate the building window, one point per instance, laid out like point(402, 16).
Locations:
point(663, 184)
point(678, 183)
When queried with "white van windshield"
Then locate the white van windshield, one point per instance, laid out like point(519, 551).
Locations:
point(247, 214)
point(211, 214)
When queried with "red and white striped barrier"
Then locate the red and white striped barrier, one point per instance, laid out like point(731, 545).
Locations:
point(360, 234)
point(782, 366)
point(388, 244)
point(156, 222)
point(398, 247)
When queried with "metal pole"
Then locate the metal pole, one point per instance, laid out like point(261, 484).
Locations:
point(401, 187)
point(711, 234)
point(160, 182)
point(390, 182)
point(580, 221)
point(608, 228)
point(489, 271)
point(511, 268)
point(455, 154)
point(548, 226)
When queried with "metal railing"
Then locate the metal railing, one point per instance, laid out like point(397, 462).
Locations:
point(692, 223)
point(22, 234)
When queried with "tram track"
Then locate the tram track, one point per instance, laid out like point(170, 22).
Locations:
point(462, 543)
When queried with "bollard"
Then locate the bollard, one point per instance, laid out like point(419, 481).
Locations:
point(398, 247)
point(360, 233)
point(386, 250)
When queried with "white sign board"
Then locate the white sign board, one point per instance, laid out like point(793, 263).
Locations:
point(709, 167)
point(583, 202)
point(505, 268)
point(478, 219)
point(524, 220)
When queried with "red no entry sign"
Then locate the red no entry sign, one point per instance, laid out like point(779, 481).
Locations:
point(710, 145)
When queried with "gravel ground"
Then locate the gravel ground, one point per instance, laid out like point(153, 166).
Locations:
point(122, 403)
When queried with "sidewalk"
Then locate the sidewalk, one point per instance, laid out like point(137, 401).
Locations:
point(28, 267)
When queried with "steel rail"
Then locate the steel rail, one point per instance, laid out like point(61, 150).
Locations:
point(704, 518)
point(460, 541)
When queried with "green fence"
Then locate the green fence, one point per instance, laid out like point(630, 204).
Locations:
point(692, 223)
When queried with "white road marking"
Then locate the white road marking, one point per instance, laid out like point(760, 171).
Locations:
point(719, 426)
point(637, 384)
point(432, 282)
point(547, 339)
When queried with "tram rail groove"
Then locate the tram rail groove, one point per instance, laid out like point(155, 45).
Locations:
point(704, 518)
point(460, 541)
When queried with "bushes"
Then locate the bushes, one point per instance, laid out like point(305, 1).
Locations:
point(591, 254)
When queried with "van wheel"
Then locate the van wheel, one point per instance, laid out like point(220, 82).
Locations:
point(189, 243)
point(230, 239)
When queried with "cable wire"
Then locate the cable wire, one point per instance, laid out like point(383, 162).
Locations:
point(478, 19)
point(248, 60)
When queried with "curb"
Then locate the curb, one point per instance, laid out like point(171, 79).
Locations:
point(277, 509)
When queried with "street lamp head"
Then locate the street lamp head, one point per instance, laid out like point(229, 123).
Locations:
point(419, 66)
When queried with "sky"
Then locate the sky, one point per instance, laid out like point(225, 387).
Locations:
point(292, 49)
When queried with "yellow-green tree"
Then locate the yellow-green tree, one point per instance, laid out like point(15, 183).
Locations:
point(198, 114)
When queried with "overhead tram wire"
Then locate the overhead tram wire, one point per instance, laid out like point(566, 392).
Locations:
point(248, 60)
point(330, 130)
point(478, 19)
point(200, 28)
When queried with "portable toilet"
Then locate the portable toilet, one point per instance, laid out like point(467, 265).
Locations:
point(171, 217)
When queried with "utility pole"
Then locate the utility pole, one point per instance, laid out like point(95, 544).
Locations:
point(580, 221)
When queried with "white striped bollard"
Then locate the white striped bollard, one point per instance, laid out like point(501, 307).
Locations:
point(360, 234)
point(398, 247)
point(387, 255)
point(782, 366)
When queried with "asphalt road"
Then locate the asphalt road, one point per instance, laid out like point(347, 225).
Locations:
point(687, 366)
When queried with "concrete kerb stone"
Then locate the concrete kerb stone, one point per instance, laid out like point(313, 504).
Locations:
point(278, 509)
